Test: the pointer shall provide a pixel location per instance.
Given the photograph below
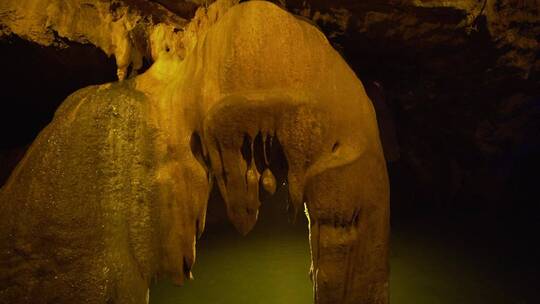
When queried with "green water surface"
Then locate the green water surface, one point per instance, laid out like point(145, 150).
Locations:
point(270, 266)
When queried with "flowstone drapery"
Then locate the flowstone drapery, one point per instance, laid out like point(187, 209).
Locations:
point(113, 192)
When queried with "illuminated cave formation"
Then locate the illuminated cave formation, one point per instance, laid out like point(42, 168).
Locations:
point(114, 190)
point(166, 101)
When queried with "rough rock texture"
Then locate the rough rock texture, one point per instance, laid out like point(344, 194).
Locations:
point(113, 192)
point(79, 217)
point(130, 30)
point(453, 76)
point(457, 82)
point(513, 26)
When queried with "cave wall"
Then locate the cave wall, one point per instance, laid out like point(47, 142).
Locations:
point(459, 79)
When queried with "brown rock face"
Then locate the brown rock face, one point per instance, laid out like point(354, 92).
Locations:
point(513, 27)
point(113, 192)
point(455, 85)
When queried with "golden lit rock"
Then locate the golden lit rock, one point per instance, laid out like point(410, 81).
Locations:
point(113, 192)
point(129, 33)
point(269, 181)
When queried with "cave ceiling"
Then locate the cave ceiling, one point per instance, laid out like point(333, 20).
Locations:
point(455, 83)
point(466, 69)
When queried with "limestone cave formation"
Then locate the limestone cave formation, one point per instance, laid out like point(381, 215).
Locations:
point(287, 151)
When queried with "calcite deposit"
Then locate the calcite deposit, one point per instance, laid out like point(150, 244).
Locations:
point(113, 192)
point(455, 84)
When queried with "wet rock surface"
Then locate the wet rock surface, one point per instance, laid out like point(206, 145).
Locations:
point(457, 80)
point(113, 192)
point(446, 69)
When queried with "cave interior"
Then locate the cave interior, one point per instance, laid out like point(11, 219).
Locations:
point(458, 109)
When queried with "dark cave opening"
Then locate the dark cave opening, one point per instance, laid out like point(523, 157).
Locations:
point(35, 80)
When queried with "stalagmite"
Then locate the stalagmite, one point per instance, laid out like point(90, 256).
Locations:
point(113, 192)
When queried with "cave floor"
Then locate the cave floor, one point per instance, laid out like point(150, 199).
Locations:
point(270, 266)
